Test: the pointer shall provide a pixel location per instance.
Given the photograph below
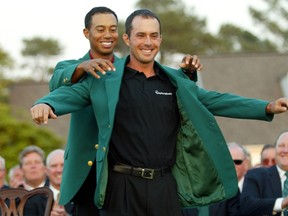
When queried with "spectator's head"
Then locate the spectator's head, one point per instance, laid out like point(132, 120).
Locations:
point(16, 178)
point(268, 154)
point(281, 147)
point(239, 156)
point(2, 171)
point(54, 163)
point(32, 163)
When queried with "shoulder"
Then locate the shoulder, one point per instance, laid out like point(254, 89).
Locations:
point(261, 172)
point(73, 61)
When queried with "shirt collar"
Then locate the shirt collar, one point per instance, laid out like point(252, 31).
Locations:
point(281, 172)
point(28, 187)
point(55, 192)
point(91, 57)
point(130, 72)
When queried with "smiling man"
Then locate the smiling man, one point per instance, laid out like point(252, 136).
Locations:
point(155, 152)
point(263, 189)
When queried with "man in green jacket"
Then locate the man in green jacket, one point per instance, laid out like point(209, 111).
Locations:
point(159, 145)
point(101, 30)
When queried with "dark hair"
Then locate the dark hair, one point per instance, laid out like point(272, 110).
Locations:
point(97, 10)
point(267, 146)
point(143, 13)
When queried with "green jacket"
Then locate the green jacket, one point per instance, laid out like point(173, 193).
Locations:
point(82, 137)
point(204, 170)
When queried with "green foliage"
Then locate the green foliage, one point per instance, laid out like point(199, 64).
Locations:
point(274, 20)
point(235, 39)
point(39, 52)
point(16, 135)
point(38, 46)
point(6, 62)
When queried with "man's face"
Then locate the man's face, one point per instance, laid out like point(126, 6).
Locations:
point(102, 35)
point(282, 151)
point(2, 173)
point(145, 40)
point(240, 161)
point(55, 169)
point(33, 168)
point(268, 157)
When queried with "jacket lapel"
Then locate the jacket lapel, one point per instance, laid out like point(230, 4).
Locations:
point(113, 85)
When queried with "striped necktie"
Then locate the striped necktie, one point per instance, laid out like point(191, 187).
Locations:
point(285, 192)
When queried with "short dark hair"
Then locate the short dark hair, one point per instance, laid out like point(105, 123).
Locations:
point(143, 13)
point(97, 10)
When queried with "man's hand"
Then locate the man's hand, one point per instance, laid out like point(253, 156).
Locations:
point(41, 112)
point(58, 211)
point(92, 66)
point(285, 203)
point(191, 63)
point(278, 106)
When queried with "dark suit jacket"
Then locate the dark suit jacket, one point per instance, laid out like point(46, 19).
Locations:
point(262, 186)
point(36, 205)
point(229, 207)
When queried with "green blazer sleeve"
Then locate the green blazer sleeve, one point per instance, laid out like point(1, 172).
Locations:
point(69, 99)
point(63, 72)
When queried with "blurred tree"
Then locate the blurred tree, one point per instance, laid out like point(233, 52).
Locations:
point(16, 135)
point(273, 19)
point(235, 39)
point(40, 52)
point(6, 64)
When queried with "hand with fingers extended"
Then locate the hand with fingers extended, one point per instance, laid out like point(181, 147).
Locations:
point(191, 63)
point(92, 66)
point(41, 113)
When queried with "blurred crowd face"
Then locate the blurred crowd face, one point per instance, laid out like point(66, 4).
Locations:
point(55, 169)
point(240, 161)
point(268, 157)
point(282, 151)
point(16, 179)
point(34, 170)
point(2, 175)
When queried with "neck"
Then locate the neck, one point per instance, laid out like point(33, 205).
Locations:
point(94, 55)
point(34, 184)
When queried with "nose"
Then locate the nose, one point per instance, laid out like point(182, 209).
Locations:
point(148, 40)
point(107, 34)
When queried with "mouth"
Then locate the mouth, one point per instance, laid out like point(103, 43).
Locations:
point(107, 44)
point(146, 51)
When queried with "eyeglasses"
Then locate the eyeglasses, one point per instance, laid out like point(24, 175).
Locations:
point(238, 162)
point(267, 161)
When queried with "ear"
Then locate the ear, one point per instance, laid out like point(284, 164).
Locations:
point(86, 33)
point(126, 39)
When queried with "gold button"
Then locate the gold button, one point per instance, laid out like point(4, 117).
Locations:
point(65, 80)
point(96, 146)
point(90, 163)
point(104, 149)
